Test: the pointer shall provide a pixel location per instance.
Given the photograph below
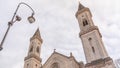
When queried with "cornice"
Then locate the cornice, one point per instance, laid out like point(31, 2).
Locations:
point(91, 28)
point(33, 56)
point(37, 38)
point(101, 62)
point(81, 11)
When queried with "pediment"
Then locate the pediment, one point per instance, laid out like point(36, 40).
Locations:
point(56, 58)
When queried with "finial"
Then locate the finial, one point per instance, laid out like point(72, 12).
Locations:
point(37, 33)
point(54, 50)
point(71, 54)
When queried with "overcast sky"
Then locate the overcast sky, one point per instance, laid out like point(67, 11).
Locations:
point(58, 26)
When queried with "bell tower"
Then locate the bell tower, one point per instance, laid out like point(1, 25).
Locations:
point(33, 59)
point(92, 40)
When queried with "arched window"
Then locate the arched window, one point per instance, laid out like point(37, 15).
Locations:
point(27, 65)
point(85, 22)
point(36, 65)
point(31, 49)
point(93, 49)
point(55, 65)
point(37, 49)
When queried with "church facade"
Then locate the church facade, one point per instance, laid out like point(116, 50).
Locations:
point(95, 52)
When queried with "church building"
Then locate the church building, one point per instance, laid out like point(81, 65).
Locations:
point(95, 52)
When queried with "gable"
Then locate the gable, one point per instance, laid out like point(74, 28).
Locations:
point(57, 60)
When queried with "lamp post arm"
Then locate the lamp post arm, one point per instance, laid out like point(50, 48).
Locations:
point(28, 6)
point(17, 10)
point(14, 14)
point(5, 36)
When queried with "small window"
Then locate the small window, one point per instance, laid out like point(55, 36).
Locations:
point(27, 65)
point(93, 49)
point(90, 39)
point(38, 49)
point(36, 65)
point(85, 22)
point(31, 49)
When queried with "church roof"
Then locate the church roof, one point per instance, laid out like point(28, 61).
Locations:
point(58, 56)
point(71, 56)
point(80, 6)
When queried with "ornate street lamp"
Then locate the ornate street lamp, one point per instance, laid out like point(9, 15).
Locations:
point(15, 18)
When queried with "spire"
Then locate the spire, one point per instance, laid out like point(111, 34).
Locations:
point(37, 35)
point(80, 6)
point(33, 58)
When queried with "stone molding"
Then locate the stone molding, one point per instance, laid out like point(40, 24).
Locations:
point(91, 28)
point(100, 62)
point(81, 11)
point(33, 56)
point(37, 38)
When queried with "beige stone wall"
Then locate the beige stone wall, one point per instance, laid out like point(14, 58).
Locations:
point(63, 62)
point(101, 63)
point(96, 43)
point(32, 63)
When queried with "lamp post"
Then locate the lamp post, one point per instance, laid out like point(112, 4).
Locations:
point(15, 18)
